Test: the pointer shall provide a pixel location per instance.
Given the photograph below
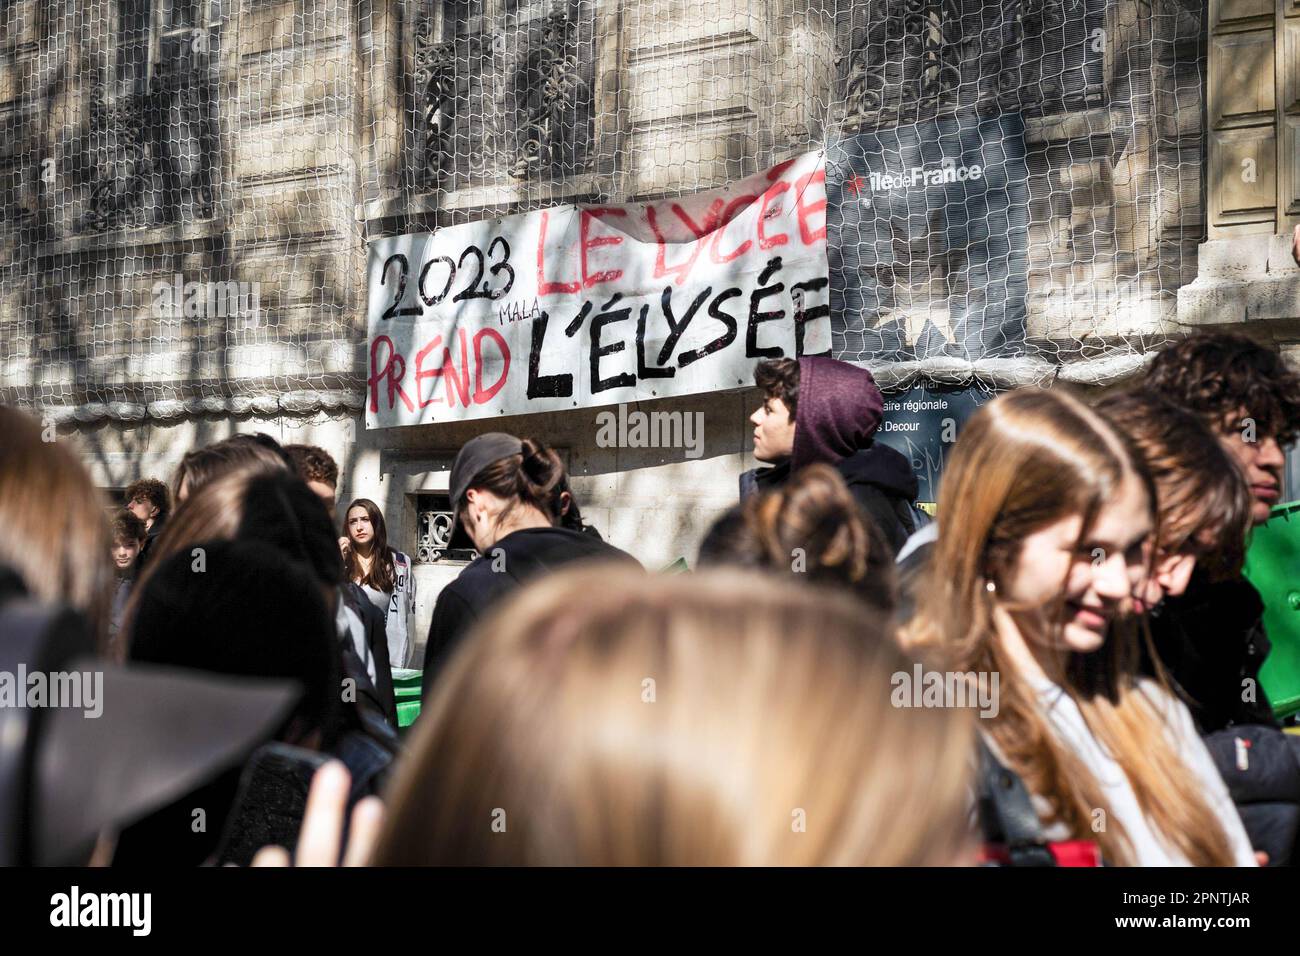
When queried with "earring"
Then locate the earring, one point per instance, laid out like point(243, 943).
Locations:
point(990, 587)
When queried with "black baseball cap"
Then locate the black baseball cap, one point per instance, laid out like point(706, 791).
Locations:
point(475, 455)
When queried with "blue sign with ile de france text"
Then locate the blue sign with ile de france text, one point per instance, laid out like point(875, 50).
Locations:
point(928, 229)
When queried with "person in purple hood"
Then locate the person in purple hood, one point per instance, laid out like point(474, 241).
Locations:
point(817, 409)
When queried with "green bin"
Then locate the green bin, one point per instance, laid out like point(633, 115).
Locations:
point(1273, 567)
point(406, 689)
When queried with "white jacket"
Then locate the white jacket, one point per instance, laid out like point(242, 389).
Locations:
point(399, 607)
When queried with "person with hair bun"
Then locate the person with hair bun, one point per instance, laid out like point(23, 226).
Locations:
point(810, 529)
point(774, 703)
point(503, 493)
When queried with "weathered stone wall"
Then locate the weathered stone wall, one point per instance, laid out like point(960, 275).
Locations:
point(1246, 273)
point(262, 142)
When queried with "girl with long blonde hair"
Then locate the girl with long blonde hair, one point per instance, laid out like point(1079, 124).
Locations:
point(1046, 521)
point(610, 718)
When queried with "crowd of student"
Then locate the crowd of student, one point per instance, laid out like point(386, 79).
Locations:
point(579, 710)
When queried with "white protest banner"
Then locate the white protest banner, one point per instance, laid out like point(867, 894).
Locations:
point(581, 306)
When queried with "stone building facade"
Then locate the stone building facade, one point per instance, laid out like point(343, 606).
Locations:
point(253, 147)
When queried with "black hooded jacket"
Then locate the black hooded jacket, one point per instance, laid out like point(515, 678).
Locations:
point(836, 417)
point(880, 479)
point(885, 486)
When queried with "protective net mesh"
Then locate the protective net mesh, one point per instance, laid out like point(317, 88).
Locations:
point(179, 229)
point(189, 185)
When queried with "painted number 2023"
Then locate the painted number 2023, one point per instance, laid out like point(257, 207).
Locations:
point(477, 288)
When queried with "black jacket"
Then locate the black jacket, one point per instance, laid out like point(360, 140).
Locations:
point(1261, 767)
point(880, 478)
point(379, 695)
point(1212, 643)
point(515, 559)
point(150, 537)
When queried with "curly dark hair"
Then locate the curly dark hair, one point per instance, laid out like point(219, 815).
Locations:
point(151, 489)
point(779, 378)
point(314, 463)
point(1219, 375)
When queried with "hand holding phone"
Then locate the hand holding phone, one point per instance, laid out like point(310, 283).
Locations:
point(322, 825)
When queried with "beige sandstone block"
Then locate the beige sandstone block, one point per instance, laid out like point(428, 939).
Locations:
point(1242, 84)
point(1243, 168)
